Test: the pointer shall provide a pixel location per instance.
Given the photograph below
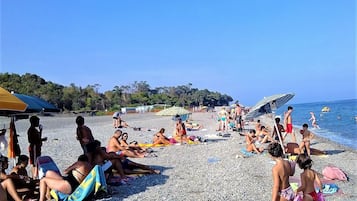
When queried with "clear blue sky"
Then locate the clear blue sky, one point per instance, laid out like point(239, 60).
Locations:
point(247, 49)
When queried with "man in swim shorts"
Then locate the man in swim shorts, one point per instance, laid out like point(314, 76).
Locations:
point(288, 123)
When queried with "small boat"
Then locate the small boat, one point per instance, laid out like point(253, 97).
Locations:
point(325, 109)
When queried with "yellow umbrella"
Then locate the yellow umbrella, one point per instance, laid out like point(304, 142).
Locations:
point(9, 102)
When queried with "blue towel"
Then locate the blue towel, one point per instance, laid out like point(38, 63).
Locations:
point(93, 183)
point(329, 188)
point(246, 153)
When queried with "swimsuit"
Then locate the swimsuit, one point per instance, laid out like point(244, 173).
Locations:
point(72, 181)
point(289, 128)
point(314, 196)
point(287, 193)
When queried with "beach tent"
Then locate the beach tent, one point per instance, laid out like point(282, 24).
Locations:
point(36, 104)
point(268, 105)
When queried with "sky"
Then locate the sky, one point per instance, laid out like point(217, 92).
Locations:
point(245, 49)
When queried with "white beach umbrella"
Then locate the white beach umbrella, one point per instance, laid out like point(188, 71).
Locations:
point(268, 105)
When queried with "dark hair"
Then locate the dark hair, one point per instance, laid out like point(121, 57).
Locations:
point(252, 131)
point(80, 120)
point(277, 119)
point(162, 130)
point(34, 120)
point(21, 159)
point(305, 126)
point(290, 108)
point(275, 149)
point(83, 158)
point(304, 161)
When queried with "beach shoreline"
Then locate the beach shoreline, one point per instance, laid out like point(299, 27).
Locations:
point(214, 170)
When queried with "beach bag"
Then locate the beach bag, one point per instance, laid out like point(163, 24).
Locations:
point(332, 172)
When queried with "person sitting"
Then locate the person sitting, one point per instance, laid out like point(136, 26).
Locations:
point(251, 144)
point(160, 138)
point(76, 173)
point(114, 146)
point(132, 145)
point(22, 180)
point(98, 155)
point(6, 181)
point(180, 132)
point(121, 123)
point(264, 136)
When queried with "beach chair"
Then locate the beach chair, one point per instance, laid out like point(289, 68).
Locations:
point(92, 186)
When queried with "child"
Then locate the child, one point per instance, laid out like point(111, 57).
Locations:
point(281, 172)
point(308, 177)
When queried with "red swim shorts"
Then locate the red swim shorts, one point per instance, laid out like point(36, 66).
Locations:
point(289, 128)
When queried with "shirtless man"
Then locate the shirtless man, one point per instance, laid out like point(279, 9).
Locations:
point(238, 117)
point(306, 137)
point(281, 172)
point(288, 123)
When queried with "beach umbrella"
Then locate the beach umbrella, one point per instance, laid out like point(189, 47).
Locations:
point(36, 104)
point(13, 148)
point(268, 105)
point(172, 111)
point(10, 103)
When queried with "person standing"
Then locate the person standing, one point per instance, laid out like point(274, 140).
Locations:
point(288, 121)
point(238, 117)
point(281, 172)
point(116, 116)
point(84, 134)
point(35, 139)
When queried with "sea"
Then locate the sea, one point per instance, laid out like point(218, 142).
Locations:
point(338, 125)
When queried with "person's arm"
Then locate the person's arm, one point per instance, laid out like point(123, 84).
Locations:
point(311, 135)
point(318, 181)
point(70, 168)
point(276, 183)
point(302, 187)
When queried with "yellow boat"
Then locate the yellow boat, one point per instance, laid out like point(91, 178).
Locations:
point(325, 109)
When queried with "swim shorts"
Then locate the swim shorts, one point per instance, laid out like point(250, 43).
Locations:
point(289, 128)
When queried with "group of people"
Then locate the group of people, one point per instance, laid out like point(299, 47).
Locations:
point(113, 158)
point(230, 120)
point(283, 169)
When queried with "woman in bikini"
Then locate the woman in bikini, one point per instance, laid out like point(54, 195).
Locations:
point(76, 173)
point(281, 171)
point(132, 145)
point(160, 138)
point(308, 178)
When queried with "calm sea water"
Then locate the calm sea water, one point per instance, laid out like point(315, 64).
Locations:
point(338, 125)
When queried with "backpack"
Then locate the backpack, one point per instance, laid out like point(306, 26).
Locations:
point(332, 172)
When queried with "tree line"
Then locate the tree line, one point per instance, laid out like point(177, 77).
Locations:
point(76, 98)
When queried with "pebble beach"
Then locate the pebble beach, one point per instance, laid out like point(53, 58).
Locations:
point(213, 170)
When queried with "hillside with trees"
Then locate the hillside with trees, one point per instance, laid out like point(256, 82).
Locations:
point(76, 98)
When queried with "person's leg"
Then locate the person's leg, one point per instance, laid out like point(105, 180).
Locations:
point(3, 196)
point(57, 184)
point(116, 163)
point(8, 186)
point(307, 145)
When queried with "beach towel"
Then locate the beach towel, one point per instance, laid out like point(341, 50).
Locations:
point(92, 185)
point(334, 173)
point(45, 163)
point(246, 153)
